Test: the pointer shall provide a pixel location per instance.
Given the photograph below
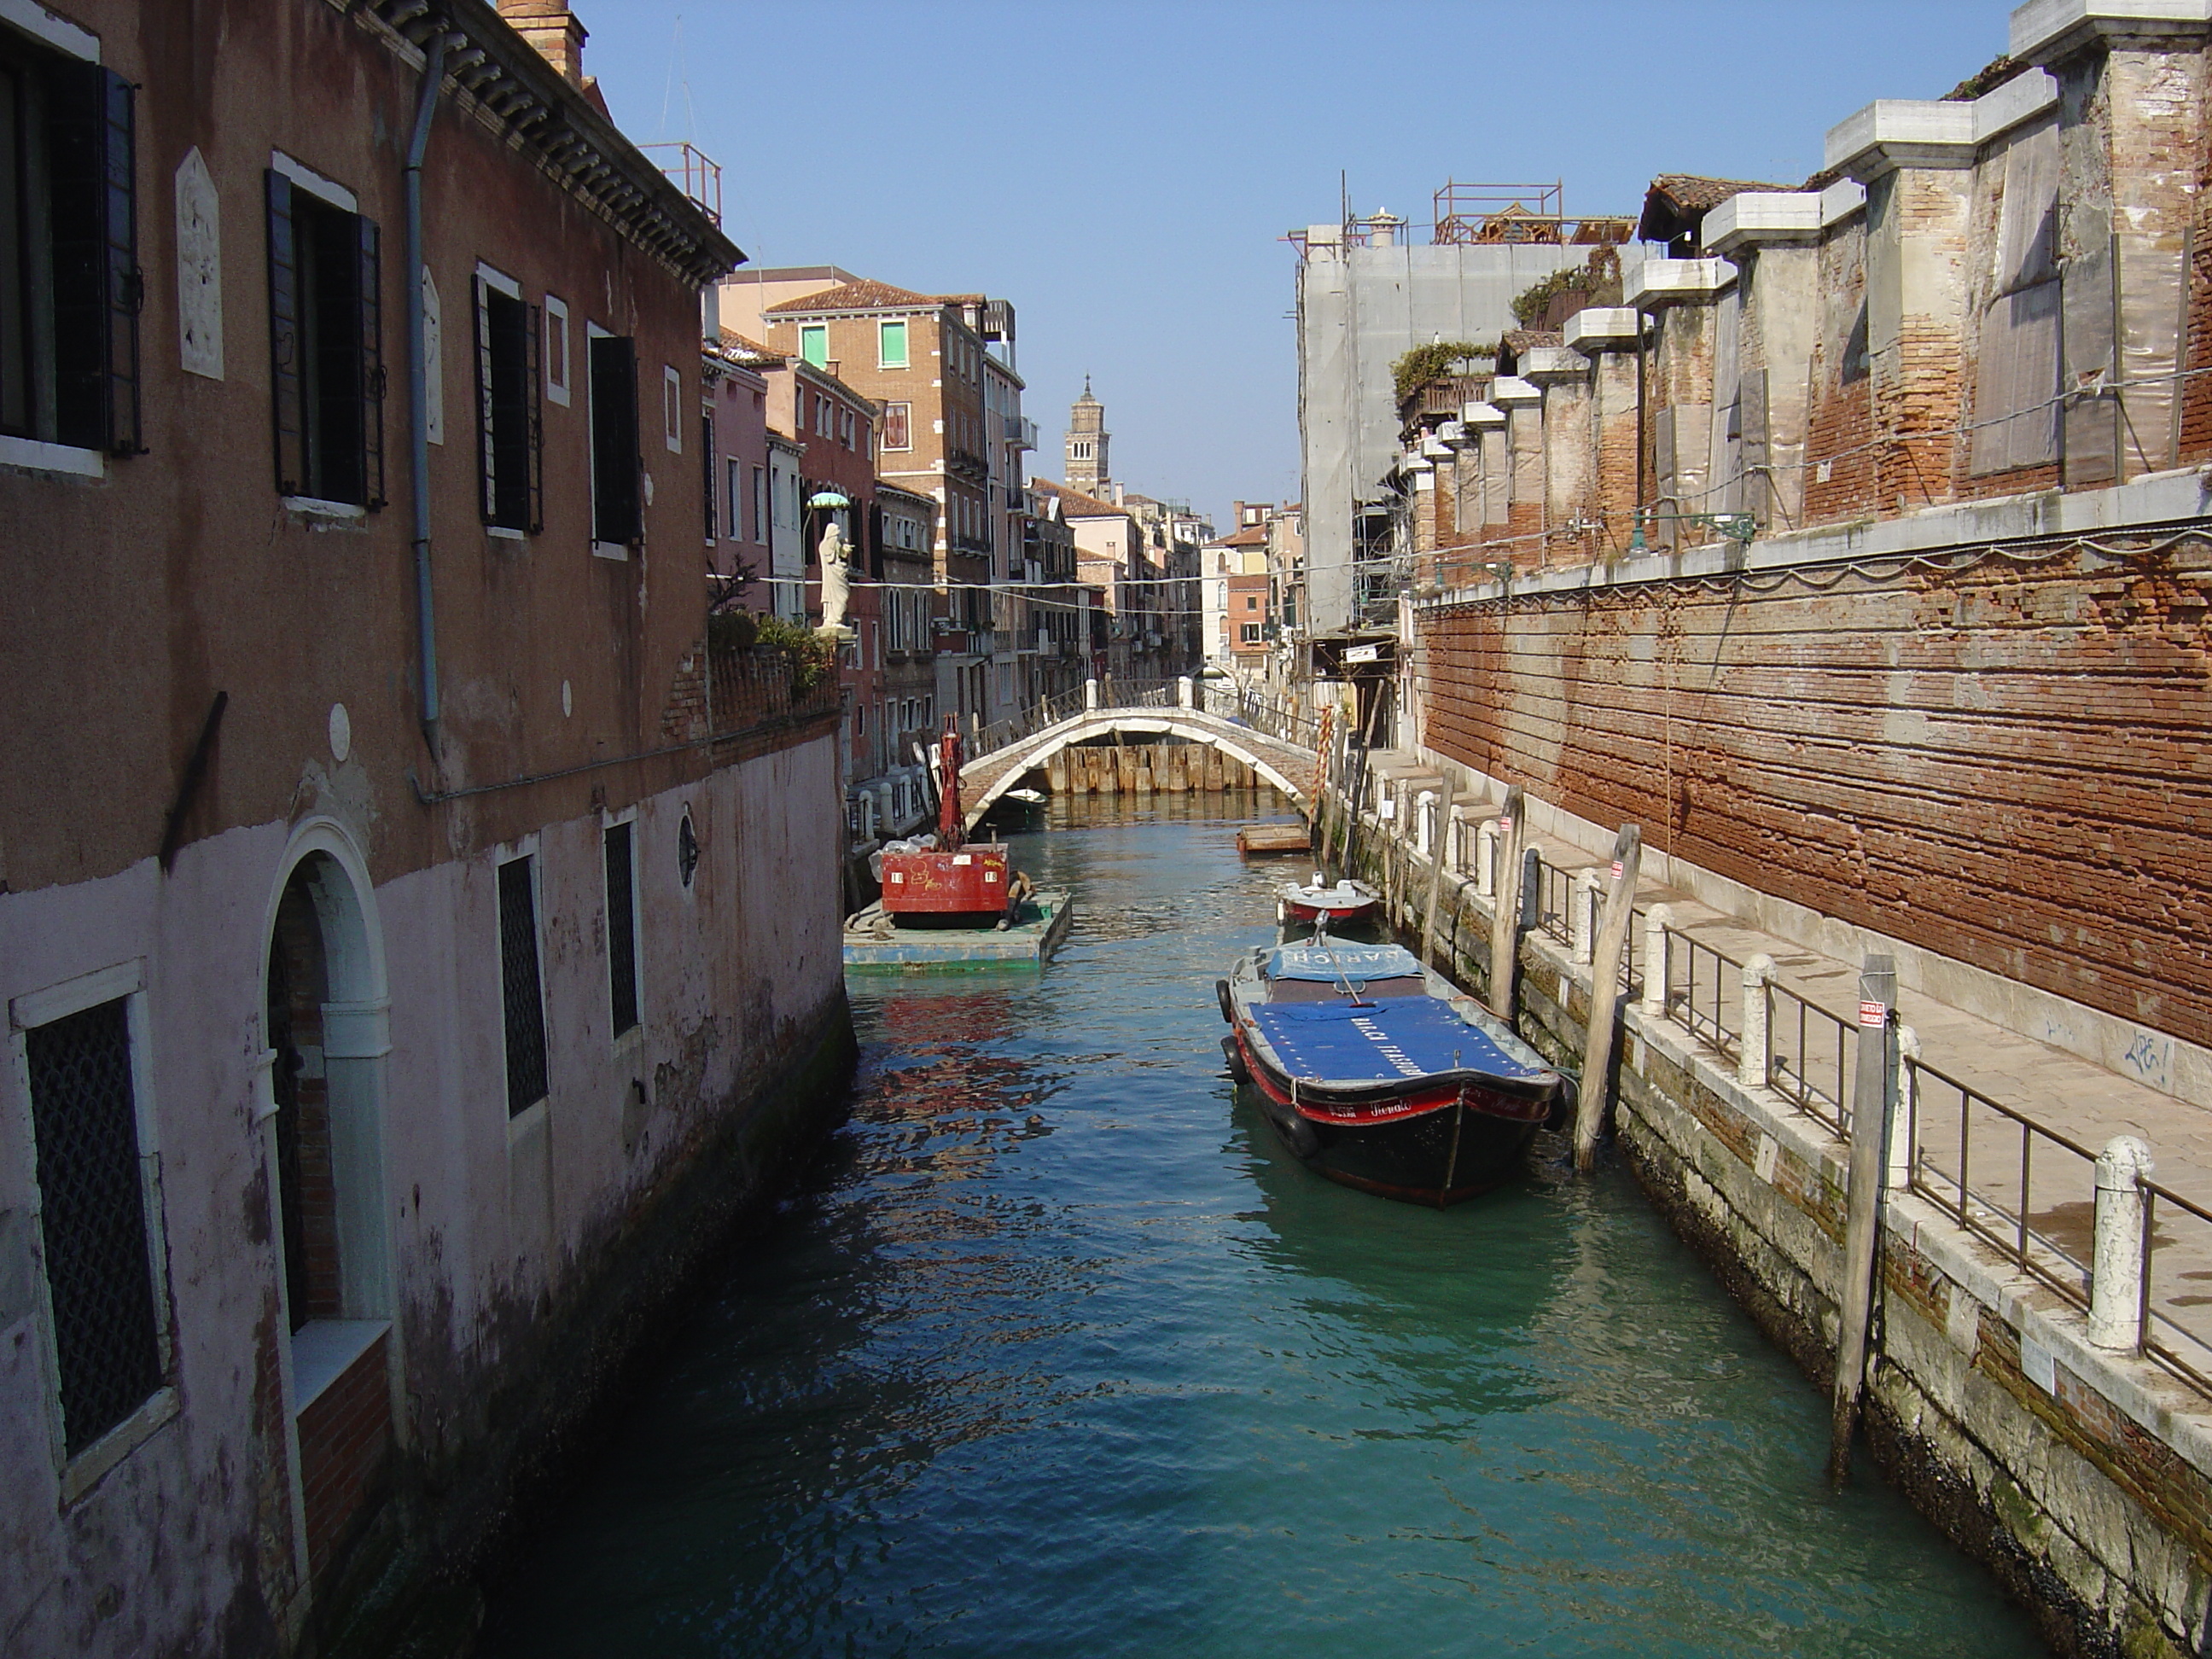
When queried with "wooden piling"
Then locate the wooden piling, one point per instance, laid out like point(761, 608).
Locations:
point(1505, 921)
point(1605, 996)
point(1439, 840)
point(1874, 1092)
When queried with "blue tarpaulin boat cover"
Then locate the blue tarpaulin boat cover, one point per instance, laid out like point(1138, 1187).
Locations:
point(1342, 961)
point(1394, 1038)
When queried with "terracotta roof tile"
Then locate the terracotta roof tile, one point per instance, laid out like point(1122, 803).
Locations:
point(1073, 503)
point(1677, 201)
point(859, 296)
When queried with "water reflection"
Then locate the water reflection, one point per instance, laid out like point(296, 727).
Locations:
point(1062, 1354)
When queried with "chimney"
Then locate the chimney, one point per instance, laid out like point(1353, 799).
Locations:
point(550, 26)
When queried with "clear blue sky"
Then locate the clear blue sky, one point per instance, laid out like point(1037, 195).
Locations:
point(1123, 171)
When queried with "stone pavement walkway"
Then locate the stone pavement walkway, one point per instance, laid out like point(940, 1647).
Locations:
point(2056, 1091)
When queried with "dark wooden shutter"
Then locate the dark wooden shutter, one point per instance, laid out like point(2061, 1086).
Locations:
point(534, 397)
point(875, 540)
point(371, 366)
point(487, 417)
point(284, 364)
point(707, 470)
point(98, 288)
point(616, 515)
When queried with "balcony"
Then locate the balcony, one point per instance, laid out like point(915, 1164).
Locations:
point(1021, 430)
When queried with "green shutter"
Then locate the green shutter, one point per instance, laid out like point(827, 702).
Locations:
point(814, 345)
point(892, 346)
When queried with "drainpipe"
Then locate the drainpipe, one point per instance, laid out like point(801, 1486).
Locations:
point(418, 387)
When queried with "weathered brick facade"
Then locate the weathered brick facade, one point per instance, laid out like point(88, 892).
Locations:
point(1999, 763)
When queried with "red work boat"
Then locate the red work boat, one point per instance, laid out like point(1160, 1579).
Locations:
point(956, 883)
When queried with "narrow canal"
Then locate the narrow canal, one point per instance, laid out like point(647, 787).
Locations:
point(1060, 1354)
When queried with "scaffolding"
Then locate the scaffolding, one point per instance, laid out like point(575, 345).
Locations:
point(1470, 214)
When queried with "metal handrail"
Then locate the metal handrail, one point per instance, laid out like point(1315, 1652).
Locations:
point(2197, 1372)
point(1980, 1210)
point(1708, 1026)
point(1802, 1039)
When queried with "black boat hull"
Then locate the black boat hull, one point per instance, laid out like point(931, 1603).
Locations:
point(1437, 1157)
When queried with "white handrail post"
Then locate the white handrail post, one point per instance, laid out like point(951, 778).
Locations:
point(1755, 1054)
point(1582, 896)
point(1182, 691)
point(1902, 1123)
point(1424, 813)
point(1485, 859)
point(1657, 920)
point(1090, 694)
point(2116, 1278)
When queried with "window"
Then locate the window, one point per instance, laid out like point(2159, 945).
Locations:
point(1250, 633)
point(622, 926)
point(845, 428)
point(898, 423)
point(69, 283)
point(760, 504)
point(735, 473)
point(708, 485)
point(671, 408)
point(556, 350)
point(508, 424)
point(1080, 450)
point(814, 343)
point(96, 1218)
point(617, 519)
point(1251, 601)
point(522, 1005)
point(325, 343)
point(890, 346)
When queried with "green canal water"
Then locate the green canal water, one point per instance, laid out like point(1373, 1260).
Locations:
point(1059, 1352)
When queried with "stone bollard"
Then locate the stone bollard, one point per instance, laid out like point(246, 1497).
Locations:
point(1182, 691)
point(1091, 694)
point(2116, 1279)
point(1424, 813)
point(1485, 859)
point(1456, 837)
point(1581, 936)
point(1657, 920)
point(1898, 1174)
point(1755, 1054)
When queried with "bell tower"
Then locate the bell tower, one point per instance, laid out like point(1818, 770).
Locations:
point(1087, 438)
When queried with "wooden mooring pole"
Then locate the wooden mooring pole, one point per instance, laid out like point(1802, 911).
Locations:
point(1605, 996)
point(1439, 844)
point(1873, 1096)
point(1505, 920)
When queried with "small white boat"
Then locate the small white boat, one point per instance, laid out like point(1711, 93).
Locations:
point(1346, 901)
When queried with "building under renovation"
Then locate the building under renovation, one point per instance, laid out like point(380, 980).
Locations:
point(1366, 294)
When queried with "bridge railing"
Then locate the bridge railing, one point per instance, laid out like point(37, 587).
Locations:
point(1224, 701)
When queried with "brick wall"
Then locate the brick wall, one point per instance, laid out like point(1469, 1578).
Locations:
point(2003, 764)
point(345, 1432)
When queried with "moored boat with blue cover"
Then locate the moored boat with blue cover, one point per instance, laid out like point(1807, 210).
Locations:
point(1381, 1075)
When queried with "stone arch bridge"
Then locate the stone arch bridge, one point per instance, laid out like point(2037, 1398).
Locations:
point(1278, 747)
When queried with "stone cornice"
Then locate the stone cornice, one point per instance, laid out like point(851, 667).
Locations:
point(1659, 283)
point(1894, 133)
point(2050, 31)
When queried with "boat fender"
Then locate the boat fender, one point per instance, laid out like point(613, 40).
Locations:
point(1235, 1056)
point(1563, 1106)
point(1221, 995)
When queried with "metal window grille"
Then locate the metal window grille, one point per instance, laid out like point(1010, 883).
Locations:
point(93, 1219)
point(524, 1007)
point(622, 927)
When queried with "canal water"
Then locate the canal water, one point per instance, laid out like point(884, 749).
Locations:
point(1059, 1352)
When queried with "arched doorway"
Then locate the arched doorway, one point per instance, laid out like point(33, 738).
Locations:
point(327, 1035)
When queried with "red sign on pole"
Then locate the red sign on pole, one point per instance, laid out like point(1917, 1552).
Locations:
point(1874, 1013)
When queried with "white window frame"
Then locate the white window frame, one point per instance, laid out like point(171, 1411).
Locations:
point(905, 348)
point(125, 982)
point(560, 373)
point(672, 408)
point(821, 329)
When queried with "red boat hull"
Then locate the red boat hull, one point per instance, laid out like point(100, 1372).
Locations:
point(1297, 912)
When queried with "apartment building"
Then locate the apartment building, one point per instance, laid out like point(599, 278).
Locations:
point(383, 931)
